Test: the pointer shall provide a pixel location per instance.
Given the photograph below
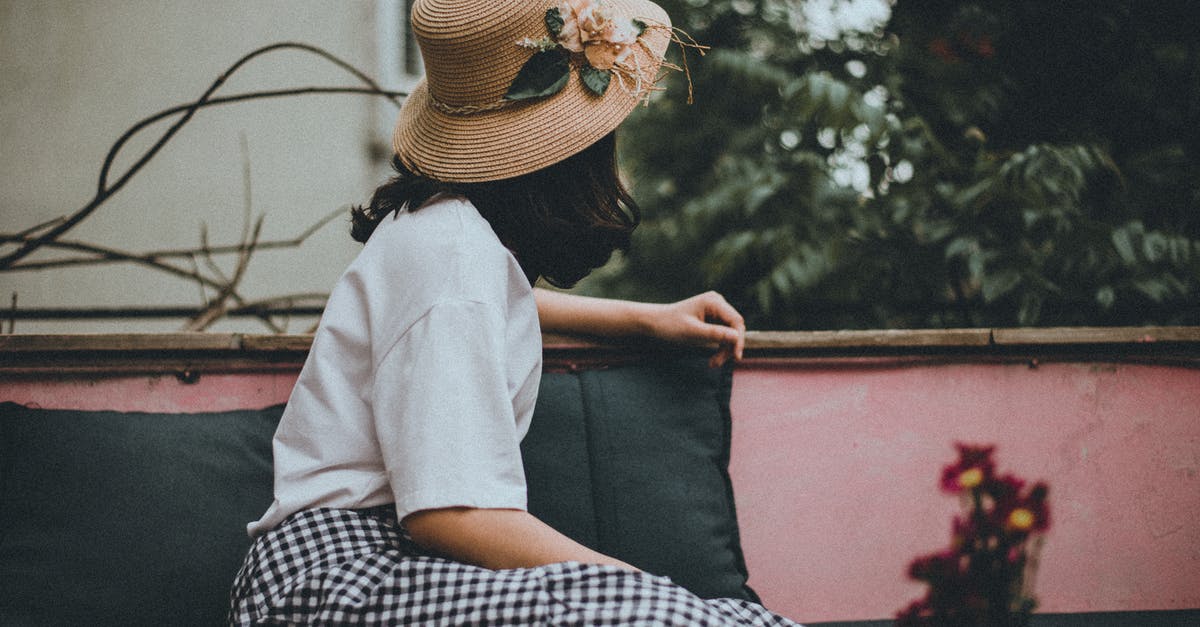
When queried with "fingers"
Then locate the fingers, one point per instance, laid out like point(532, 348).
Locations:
point(704, 319)
point(722, 355)
point(717, 308)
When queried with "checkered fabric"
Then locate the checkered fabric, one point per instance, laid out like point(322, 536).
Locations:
point(338, 566)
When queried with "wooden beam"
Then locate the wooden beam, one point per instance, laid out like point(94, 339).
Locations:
point(183, 353)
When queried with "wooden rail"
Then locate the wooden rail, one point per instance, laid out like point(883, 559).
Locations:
point(186, 354)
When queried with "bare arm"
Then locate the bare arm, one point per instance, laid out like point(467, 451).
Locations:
point(706, 320)
point(498, 538)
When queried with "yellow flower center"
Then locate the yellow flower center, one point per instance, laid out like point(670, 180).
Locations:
point(970, 478)
point(1021, 519)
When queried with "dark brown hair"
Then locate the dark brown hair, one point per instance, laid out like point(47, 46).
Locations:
point(561, 222)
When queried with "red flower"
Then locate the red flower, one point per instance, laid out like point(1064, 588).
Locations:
point(974, 468)
point(980, 578)
point(1025, 514)
point(964, 535)
point(1004, 488)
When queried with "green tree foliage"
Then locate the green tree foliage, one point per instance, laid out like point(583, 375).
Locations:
point(969, 163)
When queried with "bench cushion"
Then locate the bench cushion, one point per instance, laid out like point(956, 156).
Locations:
point(138, 518)
point(634, 462)
point(113, 518)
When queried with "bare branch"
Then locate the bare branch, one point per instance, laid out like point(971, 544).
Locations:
point(247, 188)
point(218, 306)
point(105, 254)
point(37, 227)
point(246, 245)
point(153, 254)
point(281, 304)
point(196, 269)
point(207, 256)
point(244, 259)
point(297, 305)
point(104, 190)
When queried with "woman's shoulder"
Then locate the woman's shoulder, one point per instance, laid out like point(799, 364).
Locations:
point(444, 245)
point(441, 225)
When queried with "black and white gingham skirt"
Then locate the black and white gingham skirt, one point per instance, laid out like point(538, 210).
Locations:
point(339, 566)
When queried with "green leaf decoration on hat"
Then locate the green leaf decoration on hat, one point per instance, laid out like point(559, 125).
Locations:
point(544, 74)
point(595, 80)
point(554, 22)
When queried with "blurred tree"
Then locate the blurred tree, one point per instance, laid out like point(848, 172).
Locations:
point(855, 164)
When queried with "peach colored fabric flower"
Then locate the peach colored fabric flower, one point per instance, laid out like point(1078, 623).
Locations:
point(571, 36)
point(589, 27)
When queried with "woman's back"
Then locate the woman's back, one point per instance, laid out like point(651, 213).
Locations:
point(432, 306)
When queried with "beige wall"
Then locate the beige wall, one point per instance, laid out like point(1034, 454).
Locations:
point(77, 73)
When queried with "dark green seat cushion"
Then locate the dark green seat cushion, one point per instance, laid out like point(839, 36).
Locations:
point(634, 462)
point(111, 518)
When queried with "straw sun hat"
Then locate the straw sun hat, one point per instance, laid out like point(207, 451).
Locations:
point(512, 86)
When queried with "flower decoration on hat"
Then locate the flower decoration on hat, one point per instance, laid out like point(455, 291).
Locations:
point(588, 34)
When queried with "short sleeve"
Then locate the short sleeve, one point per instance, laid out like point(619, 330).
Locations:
point(444, 415)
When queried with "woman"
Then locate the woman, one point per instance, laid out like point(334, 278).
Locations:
point(399, 489)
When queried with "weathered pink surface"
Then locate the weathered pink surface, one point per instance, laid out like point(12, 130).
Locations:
point(835, 470)
point(836, 478)
point(164, 393)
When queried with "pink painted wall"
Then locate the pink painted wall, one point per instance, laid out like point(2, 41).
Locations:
point(160, 393)
point(836, 473)
point(835, 470)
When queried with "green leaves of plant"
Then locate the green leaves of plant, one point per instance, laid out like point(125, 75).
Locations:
point(547, 71)
point(595, 80)
point(554, 22)
point(544, 74)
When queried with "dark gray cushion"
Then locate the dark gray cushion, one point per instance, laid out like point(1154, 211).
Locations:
point(111, 518)
point(633, 462)
point(126, 518)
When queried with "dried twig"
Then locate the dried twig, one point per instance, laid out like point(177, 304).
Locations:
point(35, 228)
point(105, 190)
point(150, 260)
point(199, 285)
point(302, 304)
point(217, 307)
point(112, 255)
point(206, 254)
point(105, 254)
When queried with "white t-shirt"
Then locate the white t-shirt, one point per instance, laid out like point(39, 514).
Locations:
point(421, 379)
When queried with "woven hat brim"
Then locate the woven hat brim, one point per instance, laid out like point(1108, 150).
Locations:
point(523, 136)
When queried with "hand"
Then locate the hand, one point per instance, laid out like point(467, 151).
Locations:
point(704, 319)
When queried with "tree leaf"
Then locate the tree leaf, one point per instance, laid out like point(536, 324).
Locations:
point(1154, 246)
point(1154, 289)
point(554, 22)
point(544, 74)
point(961, 247)
point(595, 80)
point(997, 285)
point(1122, 241)
point(1030, 310)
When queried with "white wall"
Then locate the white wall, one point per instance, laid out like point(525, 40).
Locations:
point(76, 74)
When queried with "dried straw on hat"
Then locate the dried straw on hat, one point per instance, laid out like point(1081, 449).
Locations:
point(457, 124)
